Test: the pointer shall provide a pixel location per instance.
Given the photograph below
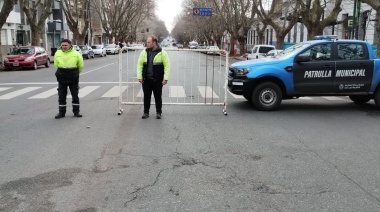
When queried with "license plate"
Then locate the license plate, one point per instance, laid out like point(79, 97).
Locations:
point(15, 64)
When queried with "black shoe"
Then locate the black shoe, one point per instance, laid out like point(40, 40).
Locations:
point(77, 115)
point(60, 115)
point(145, 116)
point(158, 116)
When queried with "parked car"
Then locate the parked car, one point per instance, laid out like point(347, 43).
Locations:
point(87, 51)
point(27, 57)
point(214, 50)
point(180, 46)
point(76, 47)
point(258, 51)
point(112, 49)
point(99, 50)
point(273, 53)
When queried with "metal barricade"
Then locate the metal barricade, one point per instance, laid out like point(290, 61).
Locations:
point(197, 77)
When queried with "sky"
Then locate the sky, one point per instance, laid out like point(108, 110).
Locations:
point(167, 10)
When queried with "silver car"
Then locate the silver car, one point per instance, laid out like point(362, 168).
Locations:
point(99, 50)
point(112, 49)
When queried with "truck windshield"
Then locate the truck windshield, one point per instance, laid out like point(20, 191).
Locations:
point(291, 50)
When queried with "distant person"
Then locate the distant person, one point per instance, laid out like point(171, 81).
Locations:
point(153, 69)
point(69, 64)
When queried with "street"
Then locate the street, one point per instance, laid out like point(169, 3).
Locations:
point(314, 154)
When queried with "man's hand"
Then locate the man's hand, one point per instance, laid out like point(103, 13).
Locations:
point(164, 82)
point(141, 81)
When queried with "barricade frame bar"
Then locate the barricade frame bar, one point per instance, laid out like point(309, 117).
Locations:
point(222, 54)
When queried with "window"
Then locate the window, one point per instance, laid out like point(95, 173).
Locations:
point(319, 52)
point(4, 39)
point(351, 51)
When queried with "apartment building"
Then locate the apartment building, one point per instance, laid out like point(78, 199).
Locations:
point(365, 29)
point(11, 32)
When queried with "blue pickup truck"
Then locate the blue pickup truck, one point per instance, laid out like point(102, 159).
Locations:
point(326, 66)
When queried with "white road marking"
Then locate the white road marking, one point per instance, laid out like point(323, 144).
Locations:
point(18, 92)
point(207, 92)
point(333, 98)
point(5, 88)
point(177, 91)
point(114, 92)
point(305, 98)
point(45, 94)
point(85, 91)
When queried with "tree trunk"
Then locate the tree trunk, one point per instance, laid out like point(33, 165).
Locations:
point(280, 41)
point(4, 13)
point(260, 37)
point(36, 35)
point(315, 30)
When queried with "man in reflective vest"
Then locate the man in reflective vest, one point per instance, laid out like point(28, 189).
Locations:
point(69, 64)
point(153, 69)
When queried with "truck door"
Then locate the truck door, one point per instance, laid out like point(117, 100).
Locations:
point(317, 75)
point(354, 70)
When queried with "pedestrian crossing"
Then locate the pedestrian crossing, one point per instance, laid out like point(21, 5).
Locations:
point(109, 91)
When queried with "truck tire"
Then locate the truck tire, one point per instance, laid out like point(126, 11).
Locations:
point(267, 96)
point(360, 99)
point(377, 98)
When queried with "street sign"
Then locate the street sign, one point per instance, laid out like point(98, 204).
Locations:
point(202, 11)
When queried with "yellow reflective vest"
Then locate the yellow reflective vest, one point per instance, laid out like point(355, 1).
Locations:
point(161, 65)
point(68, 59)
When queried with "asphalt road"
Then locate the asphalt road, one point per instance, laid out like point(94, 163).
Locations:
point(317, 154)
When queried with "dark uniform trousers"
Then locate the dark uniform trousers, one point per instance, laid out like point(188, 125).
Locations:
point(152, 85)
point(68, 78)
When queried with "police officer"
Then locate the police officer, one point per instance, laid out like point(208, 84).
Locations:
point(153, 69)
point(69, 64)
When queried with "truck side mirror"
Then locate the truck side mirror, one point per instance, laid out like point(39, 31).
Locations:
point(302, 58)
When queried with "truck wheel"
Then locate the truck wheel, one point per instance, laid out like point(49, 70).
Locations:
point(377, 98)
point(360, 99)
point(267, 96)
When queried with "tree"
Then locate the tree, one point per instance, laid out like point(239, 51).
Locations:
point(237, 16)
point(4, 13)
point(282, 26)
point(37, 13)
point(121, 18)
point(375, 4)
point(77, 12)
point(313, 15)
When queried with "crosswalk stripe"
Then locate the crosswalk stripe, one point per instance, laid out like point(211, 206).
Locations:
point(5, 88)
point(236, 96)
point(177, 91)
point(85, 91)
point(332, 98)
point(45, 94)
point(18, 92)
point(305, 98)
point(140, 93)
point(207, 92)
point(114, 92)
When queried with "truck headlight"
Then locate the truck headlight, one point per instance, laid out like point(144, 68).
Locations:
point(29, 59)
point(242, 71)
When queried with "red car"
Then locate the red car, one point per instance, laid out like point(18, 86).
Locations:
point(27, 57)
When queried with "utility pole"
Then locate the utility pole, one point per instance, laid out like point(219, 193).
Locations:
point(355, 24)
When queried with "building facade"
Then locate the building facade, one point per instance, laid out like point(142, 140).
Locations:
point(364, 30)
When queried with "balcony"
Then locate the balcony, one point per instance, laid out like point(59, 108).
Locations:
point(56, 5)
point(54, 26)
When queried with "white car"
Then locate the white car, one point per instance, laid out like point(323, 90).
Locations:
point(259, 51)
point(99, 50)
point(76, 47)
point(273, 53)
point(213, 50)
point(112, 49)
